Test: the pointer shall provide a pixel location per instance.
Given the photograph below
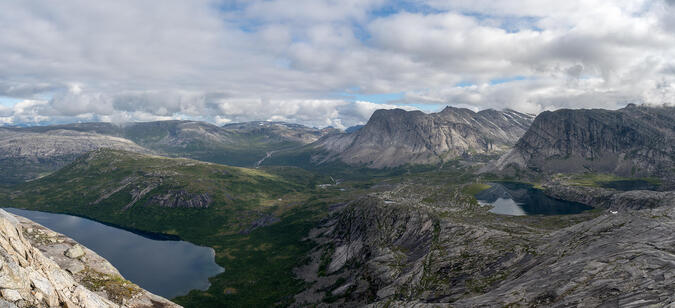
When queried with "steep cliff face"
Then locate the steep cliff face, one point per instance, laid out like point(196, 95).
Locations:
point(397, 137)
point(630, 141)
point(41, 268)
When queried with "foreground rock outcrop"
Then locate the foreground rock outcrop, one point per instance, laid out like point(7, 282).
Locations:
point(391, 252)
point(620, 260)
point(41, 268)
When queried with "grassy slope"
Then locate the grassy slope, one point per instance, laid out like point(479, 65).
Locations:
point(302, 157)
point(258, 265)
point(232, 148)
point(474, 188)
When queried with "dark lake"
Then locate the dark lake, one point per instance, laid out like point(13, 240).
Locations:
point(625, 185)
point(510, 198)
point(165, 267)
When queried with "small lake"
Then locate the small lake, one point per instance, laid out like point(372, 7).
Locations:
point(165, 267)
point(518, 199)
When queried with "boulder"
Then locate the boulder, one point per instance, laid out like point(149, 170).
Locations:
point(74, 252)
point(75, 268)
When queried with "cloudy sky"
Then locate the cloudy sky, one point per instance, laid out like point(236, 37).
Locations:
point(326, 62)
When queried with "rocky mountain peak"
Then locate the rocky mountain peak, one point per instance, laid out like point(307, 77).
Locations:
point(391, 115)
point(396, 137)
point(461, 112)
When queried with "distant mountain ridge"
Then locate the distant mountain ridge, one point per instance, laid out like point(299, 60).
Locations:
point(290, 131)
point(26, 154)
point(633, 141)
point(29, 152)
point(397, 137)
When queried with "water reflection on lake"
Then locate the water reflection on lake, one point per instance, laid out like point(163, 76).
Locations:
point(165, 267)
point(511, 198)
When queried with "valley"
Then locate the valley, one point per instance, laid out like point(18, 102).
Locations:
point(337, 154)
point(456, 208)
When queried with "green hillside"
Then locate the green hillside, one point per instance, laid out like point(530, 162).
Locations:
point(126, 189)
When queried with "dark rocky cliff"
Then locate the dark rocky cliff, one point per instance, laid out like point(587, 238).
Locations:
point(635, 141)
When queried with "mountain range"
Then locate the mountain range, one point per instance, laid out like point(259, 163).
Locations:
point(408, 231)
point(393, 138)
point(633, 141)
point(30, 152)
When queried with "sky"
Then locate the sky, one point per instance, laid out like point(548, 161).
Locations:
point(326, 62)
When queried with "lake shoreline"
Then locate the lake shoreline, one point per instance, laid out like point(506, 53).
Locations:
point(523, 199)
point(147, 234)
point(170, 268)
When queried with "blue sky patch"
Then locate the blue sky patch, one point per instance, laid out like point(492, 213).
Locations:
point(464, 84)
point(396, 7)
point(507, 80)
point(9, 101)
point(428, 108)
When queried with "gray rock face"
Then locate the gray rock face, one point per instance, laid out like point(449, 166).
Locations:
point(74, 252)
point(620, 260)
point(181, 199)
point(25, 154)
point(32, 274)
point(415, 254)
point(633, 141)
point(397, 137)
point(381, 251)
point(282, 130)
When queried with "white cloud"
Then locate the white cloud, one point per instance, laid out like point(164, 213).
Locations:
point(225, 61)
